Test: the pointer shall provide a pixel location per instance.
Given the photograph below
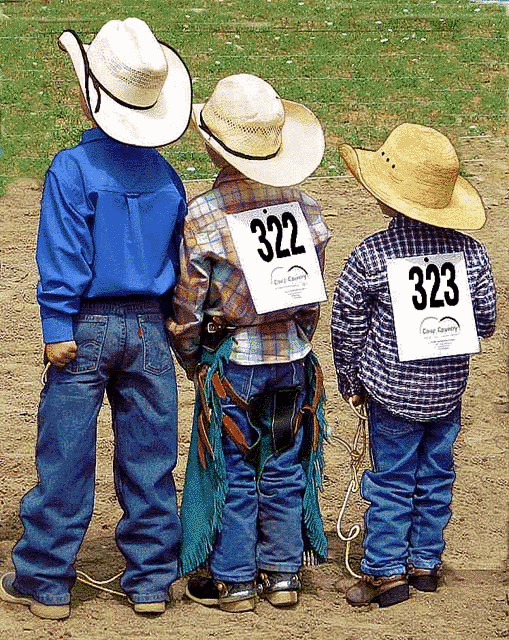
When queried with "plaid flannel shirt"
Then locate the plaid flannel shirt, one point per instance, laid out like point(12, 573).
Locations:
point(362, 326)
point(212, 280)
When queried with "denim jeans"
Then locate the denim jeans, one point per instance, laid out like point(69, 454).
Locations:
point(262, 519)
point(409, 489)
point(123, 351)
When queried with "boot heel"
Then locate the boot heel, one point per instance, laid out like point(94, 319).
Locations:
point(282, 598)
point(393, 596)
point(238, 606)
point(424, 582)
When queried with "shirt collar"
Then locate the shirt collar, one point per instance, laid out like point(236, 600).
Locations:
point(89, 135)
point(228, 174)
point(401, 220)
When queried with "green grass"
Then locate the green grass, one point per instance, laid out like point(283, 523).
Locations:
point(363, 66)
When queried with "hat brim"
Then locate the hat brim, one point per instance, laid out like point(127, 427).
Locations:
point(465, 210)
point(160, 125)
point(301, 151)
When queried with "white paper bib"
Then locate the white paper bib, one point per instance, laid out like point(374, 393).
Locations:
point(278, 257)
point(432, 307)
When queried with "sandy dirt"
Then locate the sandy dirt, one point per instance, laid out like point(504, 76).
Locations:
point(473, 601)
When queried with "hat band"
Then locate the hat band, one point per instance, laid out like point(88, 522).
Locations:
point(122, 103)
point(239, 154)
point(90, 75)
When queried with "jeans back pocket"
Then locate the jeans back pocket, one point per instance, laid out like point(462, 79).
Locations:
point(89, 334)
point(157, 356)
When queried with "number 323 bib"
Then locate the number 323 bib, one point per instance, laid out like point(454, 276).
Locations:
point(432, 307)
point(278, 257)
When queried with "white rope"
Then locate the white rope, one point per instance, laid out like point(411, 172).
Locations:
point(44, 374)
point(354, 530)
point(99, 584)
point(356, 460)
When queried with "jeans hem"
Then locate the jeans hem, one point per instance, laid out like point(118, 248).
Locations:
point(424, 564)
point(152, 597)
point(51, 601)
point(392, 570)
point(235, 580)
point(280, 568)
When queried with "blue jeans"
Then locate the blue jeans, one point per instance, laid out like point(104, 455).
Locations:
point(123, 351)
point(262, 520)
point(409, 490)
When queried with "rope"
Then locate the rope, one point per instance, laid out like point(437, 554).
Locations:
point(82, 577)
point(356, 461)
point(44, 374)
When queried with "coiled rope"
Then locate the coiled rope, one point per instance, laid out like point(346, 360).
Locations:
point(356, 461)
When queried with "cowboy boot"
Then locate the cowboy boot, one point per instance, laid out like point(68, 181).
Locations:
point(281, 589)
point(228, 596)
point(384, 590)
point(424, 579)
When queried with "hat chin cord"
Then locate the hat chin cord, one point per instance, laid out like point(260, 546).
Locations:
point(89, 75)
point(100, 87)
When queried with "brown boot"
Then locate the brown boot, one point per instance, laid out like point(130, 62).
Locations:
point(424, 579)
point(384, 590)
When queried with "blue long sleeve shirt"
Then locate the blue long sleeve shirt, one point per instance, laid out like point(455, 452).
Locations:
point(110, 226)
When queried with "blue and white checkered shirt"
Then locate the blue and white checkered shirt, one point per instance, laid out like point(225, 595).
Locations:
point(362, 326)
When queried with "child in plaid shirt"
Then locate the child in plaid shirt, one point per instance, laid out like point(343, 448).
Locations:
point(250, 507)
point(414, 399)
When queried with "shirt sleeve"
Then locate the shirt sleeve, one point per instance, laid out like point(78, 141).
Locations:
point(485, 300)
point(307, 316)
point(349, 326)
point(182, 212)
point(188, 301)
point(64, 255)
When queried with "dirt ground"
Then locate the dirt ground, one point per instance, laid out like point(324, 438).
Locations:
point(473, 602)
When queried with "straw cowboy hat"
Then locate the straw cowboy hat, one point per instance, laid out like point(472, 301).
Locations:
point(416, 172)
point(137, 88)
point(270, 140)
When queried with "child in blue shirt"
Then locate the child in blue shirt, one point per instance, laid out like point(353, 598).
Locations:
point(111, 217)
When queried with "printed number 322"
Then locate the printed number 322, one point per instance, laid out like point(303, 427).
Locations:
point(451, 293)
point(274, 223)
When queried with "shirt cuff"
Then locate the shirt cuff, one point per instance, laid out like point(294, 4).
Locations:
point(350, 385)
point(57, 329)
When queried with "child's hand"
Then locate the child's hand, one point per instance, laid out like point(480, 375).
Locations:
point(61, 353)
point(356, 400)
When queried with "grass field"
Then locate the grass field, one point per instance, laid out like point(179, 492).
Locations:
point(362, 66)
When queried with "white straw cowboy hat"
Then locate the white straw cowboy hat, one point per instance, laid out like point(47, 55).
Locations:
point(416, 172)
point(137, 88)
point(270, 140)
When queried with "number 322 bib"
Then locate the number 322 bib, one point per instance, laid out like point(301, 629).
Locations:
point(278, 257)
point(432, 307)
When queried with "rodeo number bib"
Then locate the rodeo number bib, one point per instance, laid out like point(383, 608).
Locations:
point(278, 257)
point(433, 313)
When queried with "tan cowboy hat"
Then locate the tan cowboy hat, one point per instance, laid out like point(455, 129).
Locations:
point(270, 140)
point(137, 88)
point(416, 172)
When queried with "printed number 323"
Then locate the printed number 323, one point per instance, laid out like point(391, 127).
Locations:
point(434, 274)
